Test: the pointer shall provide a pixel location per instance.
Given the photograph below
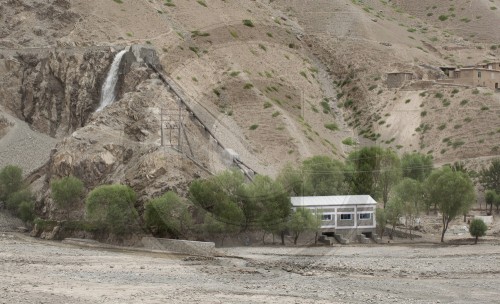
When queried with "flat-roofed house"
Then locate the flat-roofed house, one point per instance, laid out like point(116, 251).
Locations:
point(347, 215)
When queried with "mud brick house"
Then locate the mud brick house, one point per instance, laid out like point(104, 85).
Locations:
point(482, 75)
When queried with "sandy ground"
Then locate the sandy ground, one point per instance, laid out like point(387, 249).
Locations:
point(34, 271)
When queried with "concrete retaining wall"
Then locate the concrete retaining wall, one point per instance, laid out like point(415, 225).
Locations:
point(181, 246)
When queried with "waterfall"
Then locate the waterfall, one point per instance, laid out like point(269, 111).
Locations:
point(108, 88)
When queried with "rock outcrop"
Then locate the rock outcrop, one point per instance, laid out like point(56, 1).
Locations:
point(56, 90)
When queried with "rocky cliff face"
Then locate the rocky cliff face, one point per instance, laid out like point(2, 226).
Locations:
point(120, 144)
point(56, 90)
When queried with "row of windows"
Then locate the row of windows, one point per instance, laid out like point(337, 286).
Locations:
point(348, 216)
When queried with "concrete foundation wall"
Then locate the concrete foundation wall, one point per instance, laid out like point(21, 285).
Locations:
point(181, 246)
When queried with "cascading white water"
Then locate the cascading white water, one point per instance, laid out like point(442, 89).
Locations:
point(108, 88)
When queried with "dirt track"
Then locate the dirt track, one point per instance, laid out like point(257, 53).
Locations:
point(32, 271)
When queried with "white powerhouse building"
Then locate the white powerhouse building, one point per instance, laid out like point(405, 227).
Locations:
point(346, 215)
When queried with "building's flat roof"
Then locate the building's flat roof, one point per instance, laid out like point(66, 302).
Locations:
point(476, 68)
point(336, 200)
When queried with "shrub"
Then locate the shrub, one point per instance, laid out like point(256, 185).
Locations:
point(349, 141)
point(167, 214)
point(17, 198)
point(253, 127)
point(248, 23)
point(443, 18)
point(67, 191)
point(26, 211)
point(111, 207)
point(248, 86)
point(267, 104)
point(11, 181)
point(477, 228)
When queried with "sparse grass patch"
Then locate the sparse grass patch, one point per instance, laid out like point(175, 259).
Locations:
point(267, 104)
point(199, 34)
point(441, 127)
point(194, 49)
point(234, 34)
point(326, 106)
point(332, 126)
point(168, 3)
point(348, 141)
point(248, 86)
point(275, 114)
point(202, 3)
point(457, 143)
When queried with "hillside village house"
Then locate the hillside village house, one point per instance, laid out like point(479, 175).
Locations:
point(482, 75)
point(346, 215)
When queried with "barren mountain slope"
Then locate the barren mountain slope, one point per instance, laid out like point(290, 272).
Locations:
point(278, 81)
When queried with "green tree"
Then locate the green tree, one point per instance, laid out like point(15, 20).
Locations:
point(168, 214)
point(409, 193)
point(390, 173)
point(490, 178)
point(260, 204)
point(302, 220)
point(272, 203)
point(381, 217)
point(477, 228)
point(490, 197)
point(112, 208)
point(496, 201)
point(67, 191)
point(11, 181)
point(416, 165)
point(214, 226)
point(363, 170)
point(293, 180)
point(454, 193)
point(394, 211)
point(323, 176)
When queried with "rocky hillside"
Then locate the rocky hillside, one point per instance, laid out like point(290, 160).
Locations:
point(276, 81)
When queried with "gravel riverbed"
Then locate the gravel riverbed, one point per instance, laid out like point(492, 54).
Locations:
point(35, 271)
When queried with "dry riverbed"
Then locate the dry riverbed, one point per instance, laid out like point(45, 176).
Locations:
point(34, 271)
